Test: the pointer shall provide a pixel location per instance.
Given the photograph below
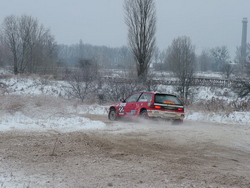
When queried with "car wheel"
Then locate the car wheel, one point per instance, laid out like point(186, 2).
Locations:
point(144, 114)
point(177, 122)
point(112, 115)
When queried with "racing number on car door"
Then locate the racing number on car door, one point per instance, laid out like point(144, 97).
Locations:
point(121, 108)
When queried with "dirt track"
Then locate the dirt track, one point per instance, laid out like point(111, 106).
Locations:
point(129, 154)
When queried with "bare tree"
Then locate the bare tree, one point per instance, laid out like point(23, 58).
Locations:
point(220, 56)
point(227, 70)
point(141, 22)
point(82, 80)
point(205, 61)
point(240, 65)
point(28, 42)
point(242, 71)
point(243, 87)
point(4, 52)
point(181, 59)
point(45, 56)
point(10, 33)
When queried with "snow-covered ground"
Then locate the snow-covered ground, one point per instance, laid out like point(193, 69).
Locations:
point(33, 104)
point(57, 122)
point(42, 113)
point(36, 116)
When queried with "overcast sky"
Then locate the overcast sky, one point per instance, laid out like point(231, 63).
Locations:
point(209, 23)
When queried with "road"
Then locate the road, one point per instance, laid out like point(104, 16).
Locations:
point(128, 154)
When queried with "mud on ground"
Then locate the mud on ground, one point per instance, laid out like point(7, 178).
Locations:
point(128, 154)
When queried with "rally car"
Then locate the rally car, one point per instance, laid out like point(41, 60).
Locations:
point(149, 105)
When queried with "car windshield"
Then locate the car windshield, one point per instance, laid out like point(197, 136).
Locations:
point(167, 99)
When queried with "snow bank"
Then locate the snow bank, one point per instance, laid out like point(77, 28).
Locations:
point(59, 122)
point(242, 118)
point(42, 113)
point(208, 93)
point(36, 86)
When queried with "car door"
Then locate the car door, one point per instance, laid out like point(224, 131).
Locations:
point(144, 100)
point(130, 104)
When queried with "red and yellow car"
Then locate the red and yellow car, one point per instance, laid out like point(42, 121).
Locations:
point(149, 105)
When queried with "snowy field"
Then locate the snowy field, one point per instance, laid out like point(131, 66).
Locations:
point(93, 152)
point(35, 90)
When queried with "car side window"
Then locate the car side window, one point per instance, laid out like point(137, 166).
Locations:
point(133, 98)
point(145, 97)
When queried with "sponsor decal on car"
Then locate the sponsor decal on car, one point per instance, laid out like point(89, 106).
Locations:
point(132, 112)
point(168, 102)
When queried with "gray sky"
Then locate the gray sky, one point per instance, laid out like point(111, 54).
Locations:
point(209, 23)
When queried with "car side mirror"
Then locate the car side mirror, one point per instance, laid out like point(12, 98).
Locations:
point(122, 100)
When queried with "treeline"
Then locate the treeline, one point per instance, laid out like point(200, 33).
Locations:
point(116, 58)
point(216, 59)
point(26, 46)
point(29, 47)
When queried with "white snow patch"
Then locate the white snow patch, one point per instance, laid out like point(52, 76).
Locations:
point(35, 86)
point(61, 123)
point(242, 118)
point(90, 109)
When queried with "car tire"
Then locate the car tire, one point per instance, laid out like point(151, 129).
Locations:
point(144, 114)
point(112, 115)
point(177, 122)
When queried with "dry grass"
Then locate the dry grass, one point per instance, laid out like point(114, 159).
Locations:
point(220, 105)
point(11, 104)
